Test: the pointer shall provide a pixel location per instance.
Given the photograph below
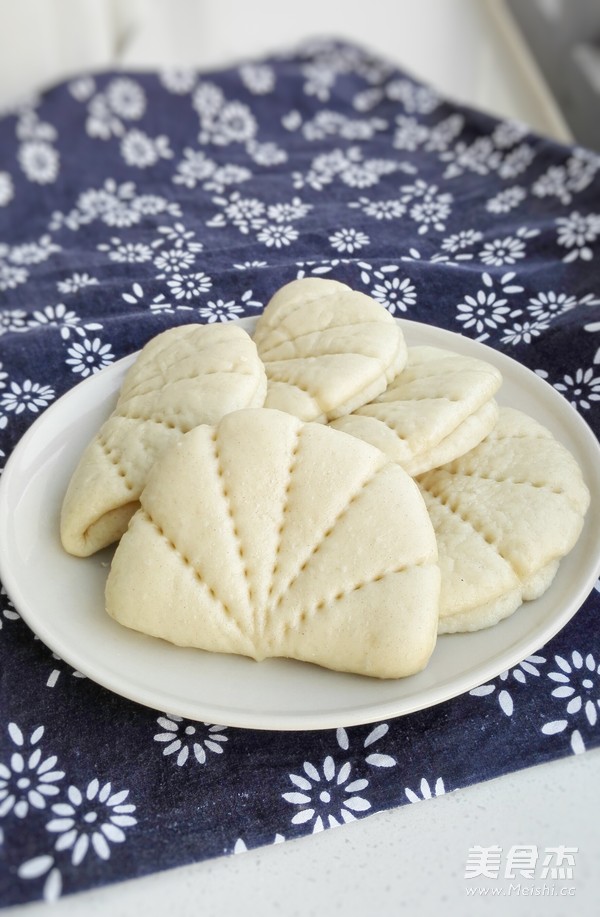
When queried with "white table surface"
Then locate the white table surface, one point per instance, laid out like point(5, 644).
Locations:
point(410, 859)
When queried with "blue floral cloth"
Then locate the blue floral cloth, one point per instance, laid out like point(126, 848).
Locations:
point(130, 203)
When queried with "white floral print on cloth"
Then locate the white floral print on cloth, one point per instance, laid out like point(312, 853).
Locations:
point(27, 778)
point(326, 795)
point(188, 741)
point(86, 824)
point(131, 203)
point(578, 686)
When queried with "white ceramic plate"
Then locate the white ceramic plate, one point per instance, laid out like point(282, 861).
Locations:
point(61, 597)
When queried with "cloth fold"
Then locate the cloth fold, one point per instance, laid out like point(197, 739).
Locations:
point(132, 203)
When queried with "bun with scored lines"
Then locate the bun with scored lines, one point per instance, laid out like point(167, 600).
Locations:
point(248, 542)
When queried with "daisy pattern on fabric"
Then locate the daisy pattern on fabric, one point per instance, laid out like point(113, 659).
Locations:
point(27, 779)
point(347, 165)
point(263, 154)
point(208, 99)
point(486, 310)
point(421, 100)
point(442, 135)
point(480, 157)
point(380, 210)
point(220, 311)
point(126, 98)
point(189, 741)
point(427, 205)
point(328, 123)
point(180, 236)
point(506, 200)
point(516, 161)
point(348, 240)
point(126, 252)
point(365, 174)
point(64, 319)
point(461, 240)
point(508, 133)
point(580, 387)
point(222, 122)
point(11, 277)
point(545, 306)
point(234, 123)
point(142, 151)
point(529, 667)
point(94, 818)
point(196, 167)
point(562, 181)
point(257, 78)
point(39, 161)
point(426, 791)
point(523, 332)
point(115, 205)
point(29, 396)
point(189, 286)
point(102, 122)
point(410, 134)
point(278, 235)
point(30, 252)
point(245, 213)
point(395, 294)
point(178, 80)
point(82, 88)
point(502, 251)
point(374, 758)
point(577, 232)
point(158, 303)
point(326, 797)
point(226, 311)
point(12, 320)
point(287, 212)
point(76, 282)
point(86, 822)
point(89, 356)
point(173, 261)
point(319, 80)
point(577, 683)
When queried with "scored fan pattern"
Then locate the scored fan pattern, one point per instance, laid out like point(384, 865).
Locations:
point(182, 378)
point(327, 349)
point(519, 496)
point(437, 395)
point(286, 551)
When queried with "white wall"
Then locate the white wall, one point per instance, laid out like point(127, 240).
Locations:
point(464, 47)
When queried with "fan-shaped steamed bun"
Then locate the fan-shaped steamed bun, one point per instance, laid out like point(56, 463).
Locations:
point(440, 406)
point(266, 536)
point(186, 376)
point(327, 349)
point(504, 515)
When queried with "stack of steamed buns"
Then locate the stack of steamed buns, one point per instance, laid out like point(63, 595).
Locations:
point(319, 491)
